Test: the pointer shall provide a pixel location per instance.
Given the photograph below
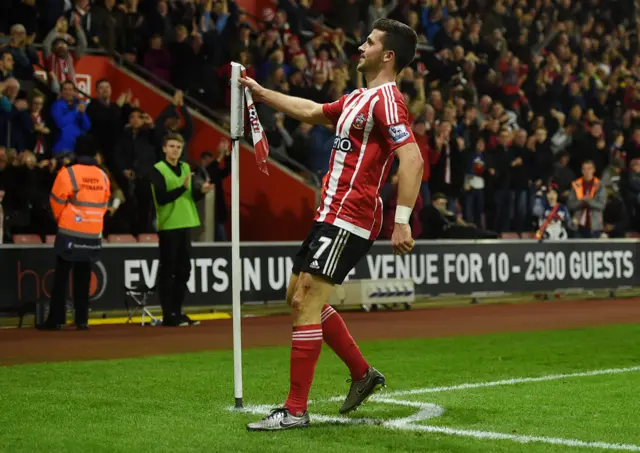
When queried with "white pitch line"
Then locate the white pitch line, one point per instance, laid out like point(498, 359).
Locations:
point(512, 437)
point(430, 410)
point(512, 381)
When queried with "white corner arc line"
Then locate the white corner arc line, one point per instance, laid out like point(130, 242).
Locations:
point(512, 381)
point(430, 410)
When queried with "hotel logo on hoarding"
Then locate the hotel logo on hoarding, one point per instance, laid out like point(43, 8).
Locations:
point(37, 283)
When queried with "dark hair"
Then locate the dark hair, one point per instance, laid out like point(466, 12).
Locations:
point(399, 38)
point(172, 136)
point(35, 93)
point(67, 82)
point(86, 145)
point(57, 41)
point(103, 80)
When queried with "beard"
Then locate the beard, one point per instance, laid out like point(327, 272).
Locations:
point(369, 65)
point(364, 65)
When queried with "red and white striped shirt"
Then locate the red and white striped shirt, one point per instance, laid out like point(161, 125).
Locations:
point(370, 125)
point(63, 68)
point(319, 65)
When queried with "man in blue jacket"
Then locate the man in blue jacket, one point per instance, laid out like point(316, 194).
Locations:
point(70, 117)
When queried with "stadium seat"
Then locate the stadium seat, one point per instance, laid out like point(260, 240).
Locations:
point(51, 239)
point(527, 235)
point(27, 239)
point(633, 235)
point(121, 238)
point(148, 237)
point(509, 235)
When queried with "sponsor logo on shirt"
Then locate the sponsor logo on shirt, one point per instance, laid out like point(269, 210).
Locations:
point(342, 144)
point(398, 133)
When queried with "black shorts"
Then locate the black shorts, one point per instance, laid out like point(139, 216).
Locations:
point(330, 252)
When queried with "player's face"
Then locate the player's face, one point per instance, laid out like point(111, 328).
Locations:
point(173, 150)
point(372, 53)
point(552, 196)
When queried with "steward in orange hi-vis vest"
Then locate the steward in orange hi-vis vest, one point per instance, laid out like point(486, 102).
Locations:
point(79, 199)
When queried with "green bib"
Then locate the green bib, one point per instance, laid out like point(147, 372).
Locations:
point(182, 212)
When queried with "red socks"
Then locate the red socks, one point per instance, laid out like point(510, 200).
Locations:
point(337, 336)
point(305, 351)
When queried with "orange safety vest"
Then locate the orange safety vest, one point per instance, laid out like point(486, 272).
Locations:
point(578, 186)
point(79, 200)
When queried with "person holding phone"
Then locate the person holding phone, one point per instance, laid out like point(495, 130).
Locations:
point(174, 196)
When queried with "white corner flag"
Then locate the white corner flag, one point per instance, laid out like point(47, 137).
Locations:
point(237, 132)
point(240, 95)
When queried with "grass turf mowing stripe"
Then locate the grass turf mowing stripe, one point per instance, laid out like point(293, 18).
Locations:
point(512, 381)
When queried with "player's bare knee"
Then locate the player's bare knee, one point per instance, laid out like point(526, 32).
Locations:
point(297, 302)
point(291, 289)
point(301, 294)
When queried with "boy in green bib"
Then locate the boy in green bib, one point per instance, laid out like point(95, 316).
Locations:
point(174, 197)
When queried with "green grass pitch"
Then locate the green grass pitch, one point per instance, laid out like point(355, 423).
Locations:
point(181, 403)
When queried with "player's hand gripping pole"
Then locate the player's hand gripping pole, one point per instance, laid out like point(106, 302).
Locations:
point(237, 132)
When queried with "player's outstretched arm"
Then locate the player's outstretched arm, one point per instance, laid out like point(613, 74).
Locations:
point(409, 178)
point(299, 108)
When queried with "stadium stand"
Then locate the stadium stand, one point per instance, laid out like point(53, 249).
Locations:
point(506, 96)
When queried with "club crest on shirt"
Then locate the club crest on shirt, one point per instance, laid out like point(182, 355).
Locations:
point(359, 121)
point(398, 133)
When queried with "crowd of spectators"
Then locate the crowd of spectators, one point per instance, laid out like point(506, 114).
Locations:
point(510, 100)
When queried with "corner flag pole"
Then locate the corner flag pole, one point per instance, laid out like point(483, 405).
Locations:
point(237, 132)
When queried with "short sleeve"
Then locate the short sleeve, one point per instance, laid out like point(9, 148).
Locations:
point(333, 110)
point(392, 118)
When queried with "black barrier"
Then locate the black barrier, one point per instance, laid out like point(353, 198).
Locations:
point(437, 268)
